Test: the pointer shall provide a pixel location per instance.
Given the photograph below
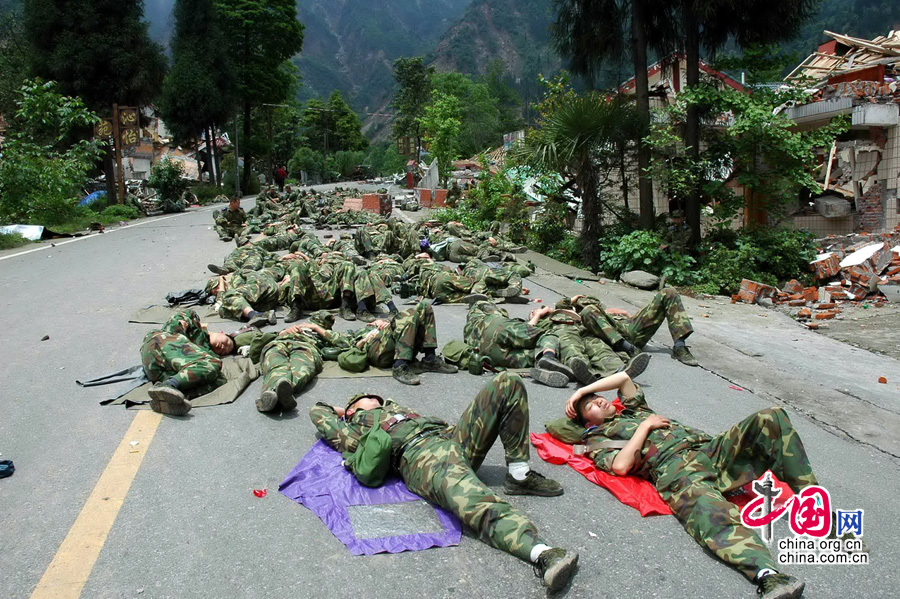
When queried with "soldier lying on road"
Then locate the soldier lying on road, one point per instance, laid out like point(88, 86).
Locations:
point(438, 461)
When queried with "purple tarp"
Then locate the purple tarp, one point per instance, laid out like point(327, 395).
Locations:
point(322, 484)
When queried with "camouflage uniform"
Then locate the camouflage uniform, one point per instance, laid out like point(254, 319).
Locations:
point(638, 328)
point(408, 334)
point(575, 342)
point(295, 358)
point(692, 471)
point(281, 240)
point(261, 290)
point(230, 223)
point(249, 257)
point(490, 279)
point(461, 251)
point(438, 461)
point(508, 342)
point(181, 350)
point(678, 238)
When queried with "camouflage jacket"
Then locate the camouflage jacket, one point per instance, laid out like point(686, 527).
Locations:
point(661, 444)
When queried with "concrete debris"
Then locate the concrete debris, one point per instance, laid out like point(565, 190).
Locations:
point(640, 279)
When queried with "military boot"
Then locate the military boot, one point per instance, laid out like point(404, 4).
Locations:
point(295, 314)
point(548, 362)
point(215, 268)
point(581, 369)
point(555, 568)
point(285, 392)
point(267, 400)
point(637, 365)
point(168, 400)
point(437, 364)
point(474, 297)
point(534, 484)
point(365, 316)
point(549, 378)
point(403, 374)
point(684, 355)
point(779, 586)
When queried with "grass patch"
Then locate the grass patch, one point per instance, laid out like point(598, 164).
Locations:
point(9, 241)
point(109, 216)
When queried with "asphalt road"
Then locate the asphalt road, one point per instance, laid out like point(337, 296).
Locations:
point(191, 527)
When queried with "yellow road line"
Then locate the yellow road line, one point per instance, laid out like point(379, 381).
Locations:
point(67, 574)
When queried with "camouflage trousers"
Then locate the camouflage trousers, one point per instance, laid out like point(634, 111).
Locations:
point(461, 251)
point(515, 343)
point(279, 241)
point(408, 334)
point(441, 468)
point(295, 360)
point(226, 229)
point(260, 290)
point(447, 287)
point(575, 343)
point(693, 482)
point(172, 355)
point(638, 329)
point(248, 257)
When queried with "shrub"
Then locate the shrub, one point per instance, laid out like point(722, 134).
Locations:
point(120, 212)
point(11, 240)
point(206, 193)
point(166, 179)
point(640, 250)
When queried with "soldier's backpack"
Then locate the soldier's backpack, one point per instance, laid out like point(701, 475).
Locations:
point(353, 360)
point(189, 297)
point(371, 461)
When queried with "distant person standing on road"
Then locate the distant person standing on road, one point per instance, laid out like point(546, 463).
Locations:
point(280, 176)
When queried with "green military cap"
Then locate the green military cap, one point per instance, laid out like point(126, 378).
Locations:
point(359, 396)
point(211, 285)
point(677, 214)
point(323, 318)
point(564, 304)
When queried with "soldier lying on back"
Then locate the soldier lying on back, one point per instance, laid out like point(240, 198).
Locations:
point(692, 470)
point(438, 461)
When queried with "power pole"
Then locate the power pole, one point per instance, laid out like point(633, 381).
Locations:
point(120, 176)
point(237, 170)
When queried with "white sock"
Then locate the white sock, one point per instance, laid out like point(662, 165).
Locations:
point(764, 572)
point(519, 470)
point(537, 550)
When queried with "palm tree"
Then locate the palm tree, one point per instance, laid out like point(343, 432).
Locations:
point(587, 32)
point(569, 144)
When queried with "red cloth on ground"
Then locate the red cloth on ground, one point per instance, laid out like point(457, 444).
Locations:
point(630, 490)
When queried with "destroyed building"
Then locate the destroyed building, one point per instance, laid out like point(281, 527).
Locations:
point(859, 173)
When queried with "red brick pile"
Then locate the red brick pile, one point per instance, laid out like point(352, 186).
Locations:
point(850, 274)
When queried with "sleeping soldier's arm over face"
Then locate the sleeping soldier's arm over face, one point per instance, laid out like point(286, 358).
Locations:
point(630, 455)
point(334, 431)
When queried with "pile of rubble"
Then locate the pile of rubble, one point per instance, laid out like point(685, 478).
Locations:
point(866, 271)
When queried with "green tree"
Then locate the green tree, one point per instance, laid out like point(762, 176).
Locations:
point(480, 126)
point(263, 35)
point(509, 103)
point(13, 62)
point(98, 50)
point(411, 98)
point(570, 143)
point(332, 126)
point(441, 126)
point(41, 170)
point(197, 93)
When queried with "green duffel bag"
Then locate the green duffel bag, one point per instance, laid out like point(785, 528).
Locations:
point(458, 353)
point(371, 461)
point(353, 360)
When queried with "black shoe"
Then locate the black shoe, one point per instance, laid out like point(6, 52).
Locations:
point(259, 321)
point(168, 400)
point(226, 238)
point(474, 297)
point(555, 568)
point(637, 365)
point(216, 269)
point(285, 392)
point(581, 369)
point(404, 375)
point(534, 484)
point(548, 377)
point(438, 365)
point(517, 299)
point(779, 586)
point(546, 362)
point(295, 314)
